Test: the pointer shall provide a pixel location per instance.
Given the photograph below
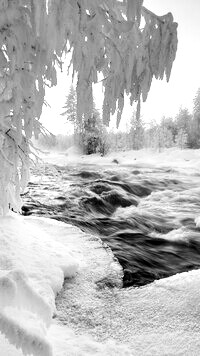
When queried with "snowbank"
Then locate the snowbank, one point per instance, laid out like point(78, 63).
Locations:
point(171, 157)
point(32, 271)
point(36, 254)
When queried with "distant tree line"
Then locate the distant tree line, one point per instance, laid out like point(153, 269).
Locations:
point(182, 131)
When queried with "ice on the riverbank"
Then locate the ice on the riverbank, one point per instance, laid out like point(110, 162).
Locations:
point(32, 271)
point(36, 254)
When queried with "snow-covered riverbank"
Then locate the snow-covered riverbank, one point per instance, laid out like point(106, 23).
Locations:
point(162, 318)
point(36, 256)
point(33, 265)
point(175, 158)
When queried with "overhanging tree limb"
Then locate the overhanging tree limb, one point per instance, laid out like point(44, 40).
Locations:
point(33, 36)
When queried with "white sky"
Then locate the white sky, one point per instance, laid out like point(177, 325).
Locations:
point(164, 99)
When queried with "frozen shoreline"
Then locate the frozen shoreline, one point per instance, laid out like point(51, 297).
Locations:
point(35, 257)
point(161, 318)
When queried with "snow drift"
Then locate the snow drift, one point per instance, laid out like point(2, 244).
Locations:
point(32, 271)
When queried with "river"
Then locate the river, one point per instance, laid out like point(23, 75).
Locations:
point(145, 214)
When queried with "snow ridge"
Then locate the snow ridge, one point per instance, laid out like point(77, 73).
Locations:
point(32, 271)
point(24, 338)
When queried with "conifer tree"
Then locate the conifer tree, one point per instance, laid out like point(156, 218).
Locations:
point(196, 121)
point(70, 106)
point(183, 119)
point(70, 112)
point(181, 139)
point(196, 109)
point(136, 132)
point(93, 134)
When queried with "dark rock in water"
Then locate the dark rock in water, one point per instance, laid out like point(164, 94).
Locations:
point(26, 210)
point(115, 161)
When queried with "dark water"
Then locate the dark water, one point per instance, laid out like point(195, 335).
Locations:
point(146, 215)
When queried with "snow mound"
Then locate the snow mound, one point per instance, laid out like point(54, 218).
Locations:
point(32, 271)
point(66, 342)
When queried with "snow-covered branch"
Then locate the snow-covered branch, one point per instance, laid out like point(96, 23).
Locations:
point(104, 36)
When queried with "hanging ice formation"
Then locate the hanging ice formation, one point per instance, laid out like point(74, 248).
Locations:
point(104, 36)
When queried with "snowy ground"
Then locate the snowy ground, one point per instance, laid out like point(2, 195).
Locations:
point(33, 268)
point(162, 319)
point(176, 158)
point(36, 255)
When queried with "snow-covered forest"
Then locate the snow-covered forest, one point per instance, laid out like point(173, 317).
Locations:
point(180, 131)
point(99, 249)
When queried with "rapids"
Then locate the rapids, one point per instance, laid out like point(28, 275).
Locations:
point(146, 215)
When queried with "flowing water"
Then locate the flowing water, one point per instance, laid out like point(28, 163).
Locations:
point(146, 215)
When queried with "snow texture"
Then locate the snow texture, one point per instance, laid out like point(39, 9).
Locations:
point(67, 343)
point(32, 271)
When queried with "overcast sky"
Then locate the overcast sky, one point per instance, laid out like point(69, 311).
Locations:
point(164, 99)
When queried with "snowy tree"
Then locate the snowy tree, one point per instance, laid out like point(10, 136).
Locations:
point(196, 109)
point(194, 139)
point(151, 135)
point(184, 128)
point(70, 111)
point(183, 119)
point(181, 139)
point(103, 36)
point(88, 133)
point(71, 106)
point(165, 133)
point(158, 136)
point(171, 125)
point(93, 133)
point(136, 133)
